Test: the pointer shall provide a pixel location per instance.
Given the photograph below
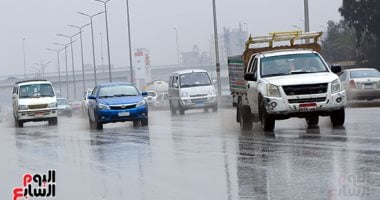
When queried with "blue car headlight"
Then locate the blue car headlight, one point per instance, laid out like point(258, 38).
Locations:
point(141, 103)
point(103, 106)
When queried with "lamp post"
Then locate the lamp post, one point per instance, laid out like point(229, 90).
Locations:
point(129, 42)
point(72, 60)
point(217, 65)
point(92, 39)
point(101, 50)
point(108, 41)
point(80, 28)
point(59, 67)
point(23, 50)
point(176, 38)
point(306, 11)
point(67, 74)
point(43, 66)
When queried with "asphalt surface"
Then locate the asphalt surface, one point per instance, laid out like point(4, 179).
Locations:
point(197, 156)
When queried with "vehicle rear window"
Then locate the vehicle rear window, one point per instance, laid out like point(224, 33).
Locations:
point(36, 91)
point(291, 64)
point(364, 74)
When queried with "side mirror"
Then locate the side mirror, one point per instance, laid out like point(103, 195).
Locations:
point(91, 97)
point(175, 85)
point(213, 81)
point(336, 68)
point(144, 94)
point(249, 77)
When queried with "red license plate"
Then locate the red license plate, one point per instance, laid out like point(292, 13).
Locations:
point(39, 114)
point(307, 105)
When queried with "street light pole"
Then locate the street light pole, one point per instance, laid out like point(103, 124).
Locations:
point(43, 66)
point(306, 10)
point(59, 68)
point(217, 52)
point(108, 41)
point(92, 38)
point(72, 60)
point(80, 28)
point(101, 51)
point(23, 49)
point(67, 74)
point(129, 43)
point(176, 38)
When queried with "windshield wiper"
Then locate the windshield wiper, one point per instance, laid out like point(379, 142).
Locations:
point(277, 74)
point(105, 96)
point(123, 95)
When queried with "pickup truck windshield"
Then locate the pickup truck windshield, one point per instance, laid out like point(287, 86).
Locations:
point(194, 79)
point(117, 91)
point(36, 91)
point(291, 64)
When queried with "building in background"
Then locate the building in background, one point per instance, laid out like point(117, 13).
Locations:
point(196, 57)
point(141, 67)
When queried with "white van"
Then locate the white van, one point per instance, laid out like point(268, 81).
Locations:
point(34, 100)
point(191, 89)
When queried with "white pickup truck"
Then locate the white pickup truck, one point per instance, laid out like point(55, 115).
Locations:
point(275, 83)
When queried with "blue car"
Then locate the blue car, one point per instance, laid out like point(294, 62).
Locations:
point(117, 102)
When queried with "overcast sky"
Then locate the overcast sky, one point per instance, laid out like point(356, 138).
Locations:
point(152, 26)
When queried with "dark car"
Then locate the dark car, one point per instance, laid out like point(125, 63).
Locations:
point(117, 102)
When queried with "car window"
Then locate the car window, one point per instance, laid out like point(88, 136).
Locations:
point(36, 90)
point(291, 64)
point(364, 74)
point(194, 79)
point(342, 76)
point(117, 90)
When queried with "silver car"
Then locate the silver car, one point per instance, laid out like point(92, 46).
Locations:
point(361, 83)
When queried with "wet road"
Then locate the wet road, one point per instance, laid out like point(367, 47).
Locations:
point(197, 156)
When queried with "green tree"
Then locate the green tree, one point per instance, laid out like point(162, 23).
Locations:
point(364, 17)
point(339, 43)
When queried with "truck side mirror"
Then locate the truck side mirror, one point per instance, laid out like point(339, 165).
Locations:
point(336, 68)
point(249, 77)
point(144, 93)
point(175, 85)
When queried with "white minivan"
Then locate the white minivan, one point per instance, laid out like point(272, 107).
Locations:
point(34, 100)
point(191, 89)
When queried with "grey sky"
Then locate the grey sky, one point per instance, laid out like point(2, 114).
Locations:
point(152, 24)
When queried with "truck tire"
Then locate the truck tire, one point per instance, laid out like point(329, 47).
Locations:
point(246, 121)
point(312, 121)
point(172, 109)
point(144, 122)
point(267, 122)
point(19, 123)
point(53, 121)
point(181, 110)
point(337, 117)
point(215, 108)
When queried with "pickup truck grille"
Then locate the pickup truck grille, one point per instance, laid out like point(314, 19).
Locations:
point(122, 107)
point(37, 106)
point(320, 99)
point(305, 89)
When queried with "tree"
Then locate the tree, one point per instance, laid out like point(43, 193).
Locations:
point(364, 17)
point(339, 43)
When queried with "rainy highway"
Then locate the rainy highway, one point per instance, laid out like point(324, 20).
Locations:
point(197, 156)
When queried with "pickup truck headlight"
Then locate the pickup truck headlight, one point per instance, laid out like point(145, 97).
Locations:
point(141, 103)
point(23, 107)
point(273, 91)
point(103, 106)
point(336, 86)
point(52, 105)
point(184, 94)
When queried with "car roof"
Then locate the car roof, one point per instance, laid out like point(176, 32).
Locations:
point(186, 71)
point(30, 82)
point(61, 98)
point(285, 52)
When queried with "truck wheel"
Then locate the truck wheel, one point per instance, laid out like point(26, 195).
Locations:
point(19, 123)
point(205, 109)
point(181, 110)
point(99, 126)
point(215, 108)
point(246, 121)
point(267, 122)
point(53, 121)
point(337, 117)
point(172, 109)
point(312, 121)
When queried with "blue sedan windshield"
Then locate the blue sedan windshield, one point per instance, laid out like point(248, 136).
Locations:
point(117, 91)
